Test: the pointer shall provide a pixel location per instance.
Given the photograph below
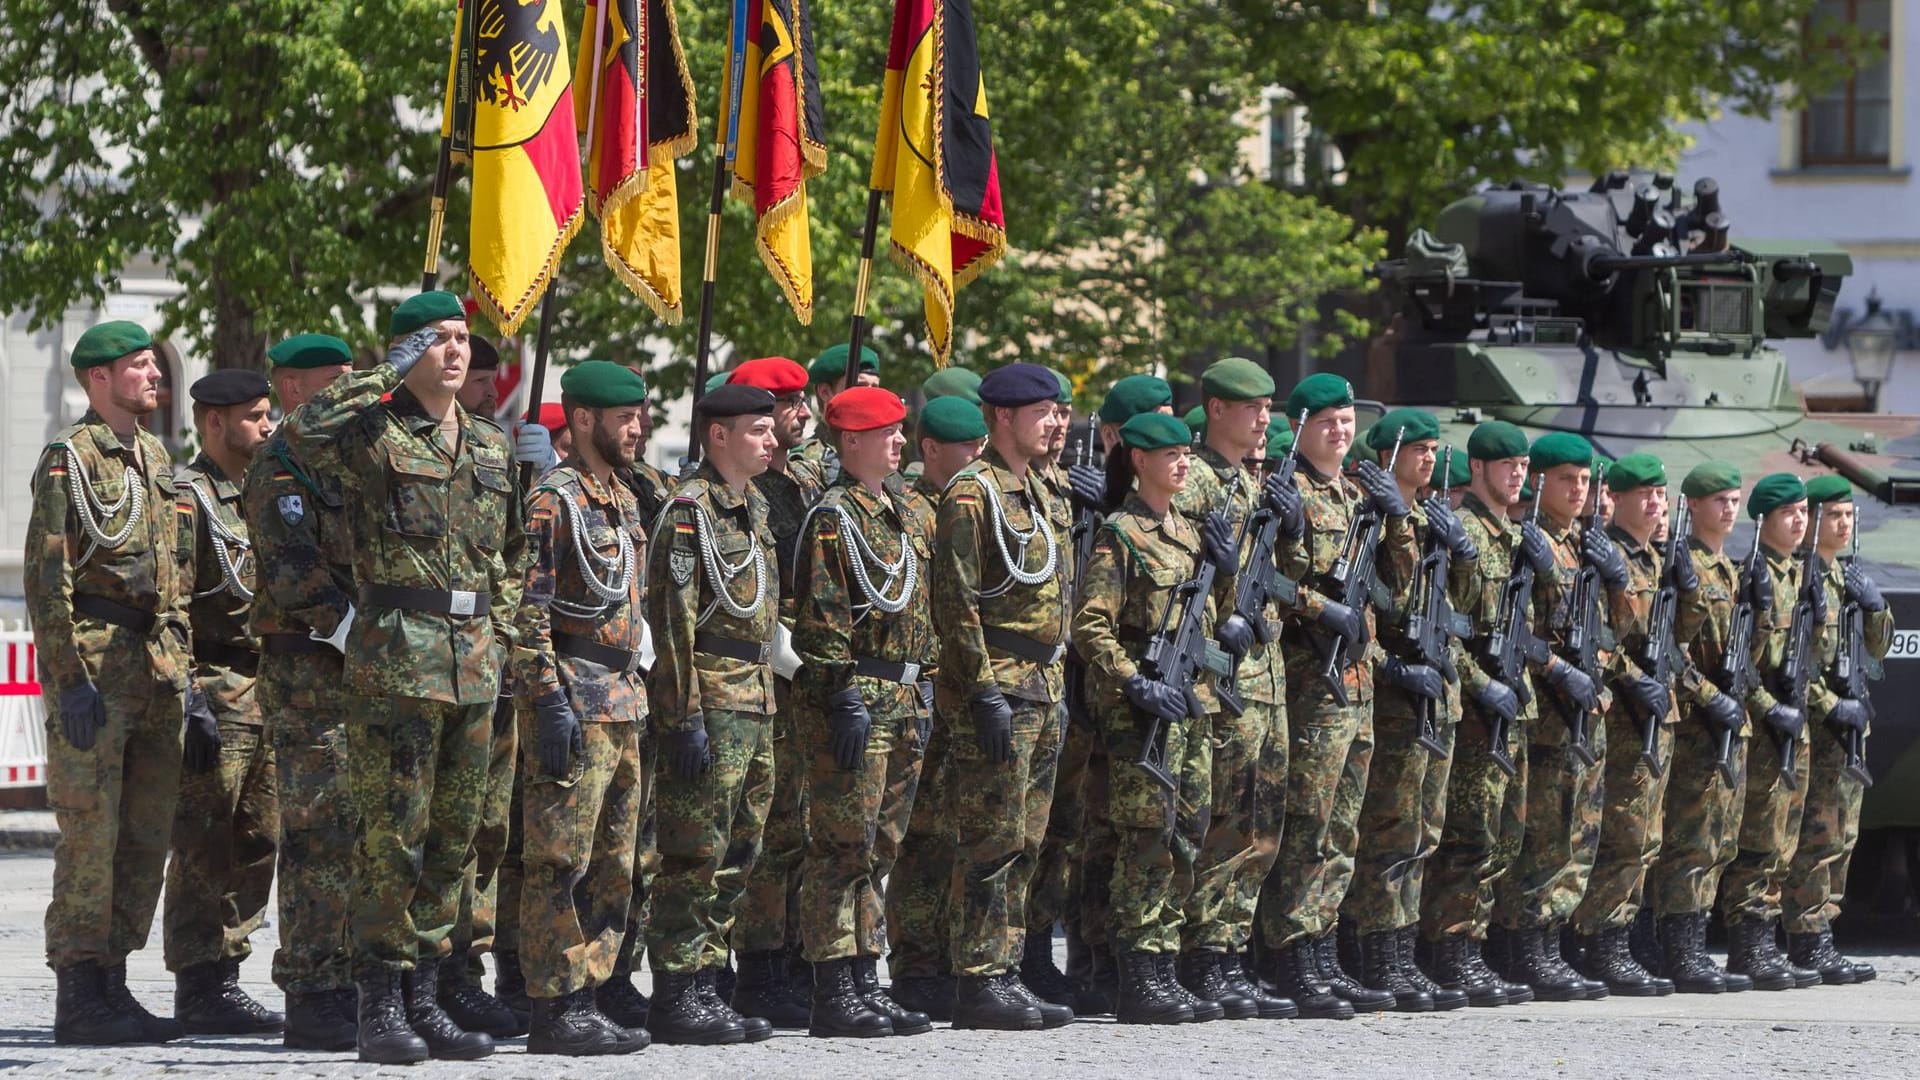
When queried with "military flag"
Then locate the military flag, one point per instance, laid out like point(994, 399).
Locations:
point(634, 108)
point(782, 143)
point(509, 111)
point(934, 156)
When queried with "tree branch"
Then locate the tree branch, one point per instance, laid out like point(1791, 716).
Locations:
point(134, 17)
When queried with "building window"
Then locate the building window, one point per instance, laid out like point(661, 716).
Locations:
point(1299, 157)
point(1851, 122)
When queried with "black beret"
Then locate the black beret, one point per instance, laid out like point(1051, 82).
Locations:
point(232, 386)
point(485, 356)
point(1019, 384)
point(734, 399)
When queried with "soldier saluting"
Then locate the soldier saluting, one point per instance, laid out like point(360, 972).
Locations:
point(103, 583)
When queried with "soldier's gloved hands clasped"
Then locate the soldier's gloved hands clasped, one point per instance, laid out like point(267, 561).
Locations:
point(1088, 483)
point(1222, 548)
point(686, 750)
point(560, 737)
point(201, 751)
point(406, 352)
point(1862, 590)
point(1785, 720)
point(1535, 548)
point(1416, 679)
point(1848, 714)
point(1573, 685)
point(1499, 699)
point(1722, 712)
point(848, 724)
point(1446, 525)
point(1283, 496)
point(82, 714)
point(1235, 634)
point(992, 724)
point(1155, 698)
point(1648, 695)
point(1604, 556)
point(533, 445)
point(1382, 492)
point(1681, 571)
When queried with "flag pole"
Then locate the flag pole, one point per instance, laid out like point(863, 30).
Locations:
point(459, 88)
point(859, 335)
point(539, 377)
point(723, 155)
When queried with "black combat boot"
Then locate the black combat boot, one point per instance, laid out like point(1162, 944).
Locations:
point(763, 991)
point(157, 1029)
point(1444, 1000)
point(446, 1040)
point(1643, 940)
point(383, 1035)
point(619, 1000)
point(1266, 1006)
point(510, 984)
point(1449, 967)
point(202, 1005)
point(1295, 973)
point(1552, 946)
point(82, 1016)
point(1380, 969)
point(1343, 985)
point(315, 1021)
point(1608, 957)
point(1803, 977)
point(1517, 993)
point(988, 1003)
point(1039, 974)
point(1051, 1015)
point(866, 976)
point(839, 1012)
point(269, 1019)
point(472, 1007)
point(1079, 959)
point(1199, 971)
point(799, 972)
point(929, 994)
point(1862, 971)
point(1736, 983)
point(569, 1025)
point(725, 979)
point(1530, 965)
point(1144, 997)
point(1747, 954)
point(1100, 994)
point(1204, 1011)
point(1684, 959)
point(1814, 951)
point(707, 983)
point(682, 1016)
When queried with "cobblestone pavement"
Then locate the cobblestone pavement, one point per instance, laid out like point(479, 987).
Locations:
point(1830, 1032)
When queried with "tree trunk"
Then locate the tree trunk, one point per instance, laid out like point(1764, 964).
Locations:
point(237, 341)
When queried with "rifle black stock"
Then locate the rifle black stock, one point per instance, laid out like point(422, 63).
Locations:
point(1797, 674)
point(1584, 631)
point(1852, 667)
point(1433, 622)
point(1352, 578)
point(1511, 645)
point(1737, 675)
point(1175, 654)
point(1259, 581)
point(1661, 657)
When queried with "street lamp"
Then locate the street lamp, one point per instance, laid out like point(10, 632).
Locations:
point(1870, 346)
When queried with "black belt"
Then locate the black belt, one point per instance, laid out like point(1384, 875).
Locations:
point(904, 674)
point(233, 657)
point(753, 652)
point(606, 656)
point(115, 613)
point(294, 645)
point(1022, 646)
point(460, 602)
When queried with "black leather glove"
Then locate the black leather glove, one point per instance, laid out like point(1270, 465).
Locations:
point(1446, 526)
point(1757, 583)
point(408, 350)
point(1722, 712)
point(1604, 556)
point(686, 751)
point(82, 714)
point(1535, 548)
point(1155, 698)
point(1416, 679)
point(1283, 496)
point(1785, 720)
point(992, 724)
point(925, 687)
point(1681, 570)
point(1818, 602)
point(1222, 548)
point(1848, 714)
point(1088, 483)
point(1499, 699)
point(202, 749)
point(1382, 492)
point(1573, 685)
point(1235, 634)
point(848, 724)
point(560, 738)
point(502, 714)
point(1338, 618)
point(1648, 695)
point(1862, 590)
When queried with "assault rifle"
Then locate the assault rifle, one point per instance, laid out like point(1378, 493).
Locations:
point(1433, 622)
point(1738, 676)
point(1512, 645)
point(1085, 522)
point(1661, 656)
point(1176, 652)
point(1260, 580)
point(1587, 624)
point(1352, 578)
point(1797, 672)
point(1851, 670)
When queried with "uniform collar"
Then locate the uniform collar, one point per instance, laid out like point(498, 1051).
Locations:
point(105, 442)
point(719, 491)
point(1497, 522)
point(1627, 541)
point(1008, 482)
point(226, 489)
point(407, 409)
point(1218, 462)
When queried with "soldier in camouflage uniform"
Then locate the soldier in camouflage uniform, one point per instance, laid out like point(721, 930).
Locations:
point(712, 601)
point(999, 596)
point(1488, 780)
point(587, 778)
point(301, 602)
point(438, 544)
point(815, 462)
point(226, 823)
point(919, 897)
point(1700, 820)
point(1405, 799)
point(103, 582)
point(1330, 728)
point(1770, 817)
point(1816, 880)
point(863, 632)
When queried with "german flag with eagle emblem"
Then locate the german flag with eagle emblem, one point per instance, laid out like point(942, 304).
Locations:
point(782, 144)
point(509, 111)
point(934, 155)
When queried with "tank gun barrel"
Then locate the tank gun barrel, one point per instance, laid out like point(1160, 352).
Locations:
point(1601, 265)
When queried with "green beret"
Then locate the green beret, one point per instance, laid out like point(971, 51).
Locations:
point(1409, 425)
point(428, 307)
point(1235, 379)
point(952, 382)
point(303, 352)
point(832, 364)
point(1636, 471)
point(1496, 440)
point(602, 384)
point(1134, 395)
point(1710, 478)
point(1559, 448)
point(1829, 487)
point(1155, 431)
point(103, 343)
point(715, 381)
point(1066, 388)
point(1315, 392)
point(1196, 421)
point(1279, 437)
point(952, 419)
point(1456, 473)
point(1774, 491)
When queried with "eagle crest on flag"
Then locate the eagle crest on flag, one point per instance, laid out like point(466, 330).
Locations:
point(516, 54)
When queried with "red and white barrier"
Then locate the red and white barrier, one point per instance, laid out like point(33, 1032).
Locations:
point(23, 732)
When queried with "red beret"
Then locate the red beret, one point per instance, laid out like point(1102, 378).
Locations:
point(864, 408)
point(777, 375)
point(553, 417)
